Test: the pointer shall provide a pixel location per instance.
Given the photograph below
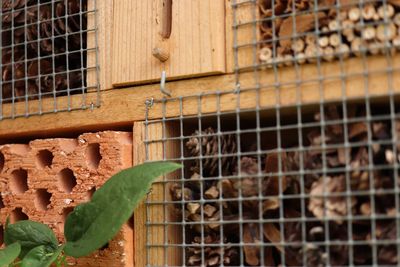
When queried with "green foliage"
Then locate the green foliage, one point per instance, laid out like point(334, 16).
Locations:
point(41, 256)
point(89, 226)
point(92, 225)
point(30, 235)
point(9, 254)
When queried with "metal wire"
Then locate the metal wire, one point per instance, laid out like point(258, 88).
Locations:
point(45, 47)
point(296, 115)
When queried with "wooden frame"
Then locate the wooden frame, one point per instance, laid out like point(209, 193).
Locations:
point(102, 21)
point(311, 84)
point(123, 106)
point(156, 213)
point(356, 78)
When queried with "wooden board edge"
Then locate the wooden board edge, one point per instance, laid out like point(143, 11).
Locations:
point(154, 213)
point(120, 107)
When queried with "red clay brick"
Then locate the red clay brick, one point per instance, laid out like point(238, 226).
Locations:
point(48, 177)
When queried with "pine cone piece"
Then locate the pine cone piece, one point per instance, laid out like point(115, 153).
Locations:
point(205, 143)
point(214, 256)
point(328, 198)
point(45, 36)
point(332, 207)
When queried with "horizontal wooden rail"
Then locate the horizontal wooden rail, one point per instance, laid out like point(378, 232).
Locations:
point(310, 84)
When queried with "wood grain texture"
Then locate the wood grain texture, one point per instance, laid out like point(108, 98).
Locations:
point(229, 37)
point(102, 20)
point(309, 84)
point(155, 235)
point(247, 33)
point(196, 45)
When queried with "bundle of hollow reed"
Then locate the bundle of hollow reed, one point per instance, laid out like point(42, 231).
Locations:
point(336, 30)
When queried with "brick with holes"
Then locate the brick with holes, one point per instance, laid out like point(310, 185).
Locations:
point(47, 178)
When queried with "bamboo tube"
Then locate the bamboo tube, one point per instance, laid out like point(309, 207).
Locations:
point(368, 33)
point(279, 61)
point(325, 29)
point(342, 15)
point(348, 30)
point(328, 53)
point(301, 58)
point(375, 47)
point(368, 12)
point(298, 45)
point(386, 11)
point(323, 41)
point(333, 25)
point(311, 39)
point(356, 46)
point(265, 54)
point(311, 53)
point(288, 59)
point(396, 42)
point(396, 20)
point(385, 32)
point(343, 51)
point(354, 14)
point(334, 39)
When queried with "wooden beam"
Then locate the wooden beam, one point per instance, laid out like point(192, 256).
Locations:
point(99, 42)
point(157, 234)
point(309, 84)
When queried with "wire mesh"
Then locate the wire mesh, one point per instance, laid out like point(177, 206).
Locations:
point(45, 47)
point(297, 165)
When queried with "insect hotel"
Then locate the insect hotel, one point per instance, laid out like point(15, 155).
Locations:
point(285, 116)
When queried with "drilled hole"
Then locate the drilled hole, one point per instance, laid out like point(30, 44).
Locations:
point(93, 156)
point(19, 181)
point(42, 199)
point(1, 235)
point(89, 193)
point(1, 162)
point(18, 215)
point(1, 202)
point(66, 180)
point(44, 158)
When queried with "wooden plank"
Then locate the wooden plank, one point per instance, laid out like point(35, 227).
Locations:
point(229, 38)
point(288, 87)
point(155, 235)
point(103, 17)
point(247, 32)
point(196, 45)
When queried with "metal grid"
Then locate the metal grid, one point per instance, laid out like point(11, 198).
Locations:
point(297, 165)
point(305, 31)
point(45, 47)
point(311, 186)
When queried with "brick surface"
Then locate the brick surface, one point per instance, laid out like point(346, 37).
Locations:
point(45, 179)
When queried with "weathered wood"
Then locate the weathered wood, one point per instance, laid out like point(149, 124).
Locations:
point(155, 235)
point(101, 19)
point(196, 45)
point(121, 107)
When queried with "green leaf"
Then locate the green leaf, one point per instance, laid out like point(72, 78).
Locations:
point(41, 256)
point(9, 254)
point(92, 225)
point(30, 235)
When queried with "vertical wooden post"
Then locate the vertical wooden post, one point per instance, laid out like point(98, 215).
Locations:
point(155, 235)
point(100, 18)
